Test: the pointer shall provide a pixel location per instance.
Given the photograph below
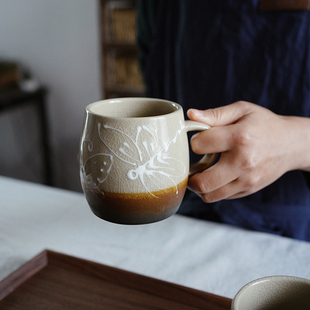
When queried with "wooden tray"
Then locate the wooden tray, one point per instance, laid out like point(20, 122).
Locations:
point(56, 281)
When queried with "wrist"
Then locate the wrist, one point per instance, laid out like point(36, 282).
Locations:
point(298, 137)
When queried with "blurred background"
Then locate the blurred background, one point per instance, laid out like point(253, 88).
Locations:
point(55, 58)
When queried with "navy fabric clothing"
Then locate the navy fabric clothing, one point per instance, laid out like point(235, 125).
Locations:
point(205, 54)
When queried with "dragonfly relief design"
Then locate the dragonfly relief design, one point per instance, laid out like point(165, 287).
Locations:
point(148, 161)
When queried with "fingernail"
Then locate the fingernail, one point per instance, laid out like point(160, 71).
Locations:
point(194, 136)
point(197, 112)
point(193, 139)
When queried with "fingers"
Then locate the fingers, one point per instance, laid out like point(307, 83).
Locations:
point(229, 191)
point(220, 137)
point(222, 116)
point(213, 178)
point(221, 181)
point(213, 140)
point(232, 134)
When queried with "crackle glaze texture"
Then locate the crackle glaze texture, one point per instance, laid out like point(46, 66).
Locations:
point(274, 293)
point(134, 152)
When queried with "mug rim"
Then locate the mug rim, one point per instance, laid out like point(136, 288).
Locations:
point(177, 107)
point(265, 279)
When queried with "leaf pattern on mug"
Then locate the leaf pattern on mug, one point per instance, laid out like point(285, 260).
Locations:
point(105, 161)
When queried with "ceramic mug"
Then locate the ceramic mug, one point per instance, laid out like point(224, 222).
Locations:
point(274, 293)
point(134, 159)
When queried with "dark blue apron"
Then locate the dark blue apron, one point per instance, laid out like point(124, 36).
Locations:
point(209, 53)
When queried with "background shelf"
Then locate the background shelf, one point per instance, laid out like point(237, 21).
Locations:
point(121, 73)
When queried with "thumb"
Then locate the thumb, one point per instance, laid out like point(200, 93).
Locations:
point(221, 116)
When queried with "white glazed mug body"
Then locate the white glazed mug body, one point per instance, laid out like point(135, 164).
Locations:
point(134, 158)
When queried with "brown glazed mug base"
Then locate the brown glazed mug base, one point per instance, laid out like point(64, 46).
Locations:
point(136, 208)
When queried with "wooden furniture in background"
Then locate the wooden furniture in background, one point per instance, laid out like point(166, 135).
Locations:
point(13, 98)
point(121, 74)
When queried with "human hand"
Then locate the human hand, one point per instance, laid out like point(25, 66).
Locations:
point(257, 146)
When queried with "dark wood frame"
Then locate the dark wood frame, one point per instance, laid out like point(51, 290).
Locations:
point(52, 280)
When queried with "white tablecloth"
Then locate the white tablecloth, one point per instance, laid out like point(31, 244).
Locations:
point(207, 256)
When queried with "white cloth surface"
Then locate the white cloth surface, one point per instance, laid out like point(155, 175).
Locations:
point(207, 256)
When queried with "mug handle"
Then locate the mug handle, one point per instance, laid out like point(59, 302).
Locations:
point(207, 160)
